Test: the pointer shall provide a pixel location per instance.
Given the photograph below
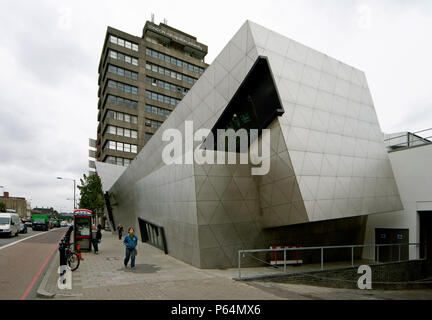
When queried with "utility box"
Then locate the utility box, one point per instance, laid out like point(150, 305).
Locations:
point(82, 228)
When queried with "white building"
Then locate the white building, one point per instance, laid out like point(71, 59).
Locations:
point(411, 161)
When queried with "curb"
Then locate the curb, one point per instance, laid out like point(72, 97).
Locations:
point(41, 291)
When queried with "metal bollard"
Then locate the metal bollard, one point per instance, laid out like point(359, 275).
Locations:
point(65, 278)
point(62, 249)
point(239, 264)
point(322, 259)
point(63, 262)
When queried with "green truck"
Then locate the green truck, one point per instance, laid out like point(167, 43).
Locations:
point(40, 222)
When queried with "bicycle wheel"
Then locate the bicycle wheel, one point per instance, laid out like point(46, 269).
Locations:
point(73, 261)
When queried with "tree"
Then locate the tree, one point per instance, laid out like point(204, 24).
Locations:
point(54, 213)
point(91, 194)
point(2, 207)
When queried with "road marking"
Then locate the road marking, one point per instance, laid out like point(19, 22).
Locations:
point(30, 287)
point(18, 241)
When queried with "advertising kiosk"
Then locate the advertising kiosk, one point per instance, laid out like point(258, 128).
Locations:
point(82, 228)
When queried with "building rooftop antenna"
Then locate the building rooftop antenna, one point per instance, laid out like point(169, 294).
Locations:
point(152, 17)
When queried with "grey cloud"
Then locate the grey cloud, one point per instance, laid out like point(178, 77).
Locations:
point(15, 127)
point(49, 52)
point(418, 120)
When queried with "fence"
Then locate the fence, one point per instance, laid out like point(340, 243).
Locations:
point(337, 258)
point(409, 139)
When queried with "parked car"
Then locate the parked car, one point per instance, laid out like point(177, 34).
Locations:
point(9, 224)
point(63, 224)
point(23, 228)
point(28, 224)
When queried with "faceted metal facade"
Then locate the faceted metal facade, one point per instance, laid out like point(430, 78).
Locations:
point(327, 159)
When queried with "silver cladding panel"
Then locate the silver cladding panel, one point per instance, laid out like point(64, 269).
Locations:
point(328, 160)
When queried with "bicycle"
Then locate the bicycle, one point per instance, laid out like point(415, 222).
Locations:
point(72, 257)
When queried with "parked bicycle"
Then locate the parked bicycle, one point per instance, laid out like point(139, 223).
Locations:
point(72, 257)
point(67, 255)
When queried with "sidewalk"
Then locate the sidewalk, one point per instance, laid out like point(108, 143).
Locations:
point(160, 276)
point(156, 276)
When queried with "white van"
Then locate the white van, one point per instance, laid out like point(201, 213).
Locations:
point(9, 224)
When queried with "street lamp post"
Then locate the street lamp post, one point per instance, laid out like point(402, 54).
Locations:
point(60, 178)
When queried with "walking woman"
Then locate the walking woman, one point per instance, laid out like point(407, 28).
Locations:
point(130, 241)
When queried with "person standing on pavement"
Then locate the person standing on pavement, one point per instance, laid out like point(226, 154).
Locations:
point(99, 235)
point(130, 241)
point(94, 239)
point(120, 231)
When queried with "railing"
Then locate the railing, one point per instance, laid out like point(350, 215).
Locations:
point(322, 250)
point(412, 139)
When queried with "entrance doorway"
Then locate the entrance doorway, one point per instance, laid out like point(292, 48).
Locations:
point(425, 234)
point(391, 236)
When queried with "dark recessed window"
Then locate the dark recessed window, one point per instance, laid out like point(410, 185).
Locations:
point(254, 106)
point(152, 234)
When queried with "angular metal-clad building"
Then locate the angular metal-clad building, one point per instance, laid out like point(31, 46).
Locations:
point(329, 168)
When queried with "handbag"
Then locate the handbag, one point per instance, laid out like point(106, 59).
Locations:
point(136, 252)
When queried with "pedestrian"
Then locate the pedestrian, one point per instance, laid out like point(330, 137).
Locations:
point(99, 234)
point(130, 241)
point(94, 239)
point(120, 231)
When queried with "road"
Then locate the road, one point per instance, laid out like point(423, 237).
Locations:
point(22, 263)
point(5, 240)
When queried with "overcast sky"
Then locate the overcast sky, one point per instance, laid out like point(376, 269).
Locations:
point(50, 53)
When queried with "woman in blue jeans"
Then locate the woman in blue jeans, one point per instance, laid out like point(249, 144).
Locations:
point(130, 241)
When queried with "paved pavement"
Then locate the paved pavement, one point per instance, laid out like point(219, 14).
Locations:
point(156, 276)
point(160, 276)
point(22, 263)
